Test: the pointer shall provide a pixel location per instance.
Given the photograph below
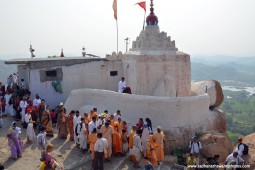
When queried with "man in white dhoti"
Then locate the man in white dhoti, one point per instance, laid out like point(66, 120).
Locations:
point(30, 128)
point(81, 129)
point(145, 136)
point(76, 121)
point(8, 105)
point(137, 148)
point(121, 85)
point(23, 106)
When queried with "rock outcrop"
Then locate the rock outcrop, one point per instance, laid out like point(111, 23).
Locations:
point(216, 144)
point(212, 88)
point(250, 158)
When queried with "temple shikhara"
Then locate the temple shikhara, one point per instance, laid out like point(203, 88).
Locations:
point(156, 71)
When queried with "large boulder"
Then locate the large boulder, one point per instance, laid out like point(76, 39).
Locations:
point(219, 121)
point(250, 158)
point(216, 144)
point(212, 88)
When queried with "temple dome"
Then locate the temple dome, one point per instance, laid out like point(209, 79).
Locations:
point(152, 19)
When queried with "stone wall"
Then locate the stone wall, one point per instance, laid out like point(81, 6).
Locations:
point(180, 117)
point(169, 112)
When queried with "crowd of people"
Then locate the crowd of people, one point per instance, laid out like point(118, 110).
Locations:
point(102, 135)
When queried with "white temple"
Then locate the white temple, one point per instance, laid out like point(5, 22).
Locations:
point(158, 74)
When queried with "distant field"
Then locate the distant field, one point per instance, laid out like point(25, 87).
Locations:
point(240, 114)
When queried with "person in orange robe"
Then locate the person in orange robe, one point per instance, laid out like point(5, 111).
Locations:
point(151, 149)
point(86, 120)
point(70, 124)
point(95, 112)
point(110, 120)
point(159, 138)
point(107, 131)
point(131, 141)
point(47, 122)
point(92, 114)
point(117, 140)
point(92, 137)
point(120, 127)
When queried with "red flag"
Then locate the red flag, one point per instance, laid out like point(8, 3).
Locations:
point(114, 7)
point(142, 4)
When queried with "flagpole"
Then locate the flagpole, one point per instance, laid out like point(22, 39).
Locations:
point(117, 36)
point(144, 19)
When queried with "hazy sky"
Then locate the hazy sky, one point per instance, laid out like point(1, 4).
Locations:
point(205, 27)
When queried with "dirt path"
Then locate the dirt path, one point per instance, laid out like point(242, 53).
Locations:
point(67, 154)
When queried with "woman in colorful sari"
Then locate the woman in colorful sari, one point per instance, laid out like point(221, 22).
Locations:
point(47, 122)
point(14, 142)
point(62, 125)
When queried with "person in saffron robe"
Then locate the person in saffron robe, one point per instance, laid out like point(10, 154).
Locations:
point(47, 122)
point(131, 142)
point(92, 114)
point(71, 125)
point(107, 131)
point(62, 125)
point(159, 138)
point(92, 137)
point(110, 120)
point(86, 120)
point(117, 140)
point(95, 111)
point(13, 141)
point(151, 148)
point(120, 125)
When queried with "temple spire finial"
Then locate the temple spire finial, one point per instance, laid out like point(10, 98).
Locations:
point(152, 9)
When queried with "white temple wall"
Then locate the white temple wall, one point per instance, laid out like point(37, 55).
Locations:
point(169, 112)
point(155, 75)
point(23, 73)
point(86, 75)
